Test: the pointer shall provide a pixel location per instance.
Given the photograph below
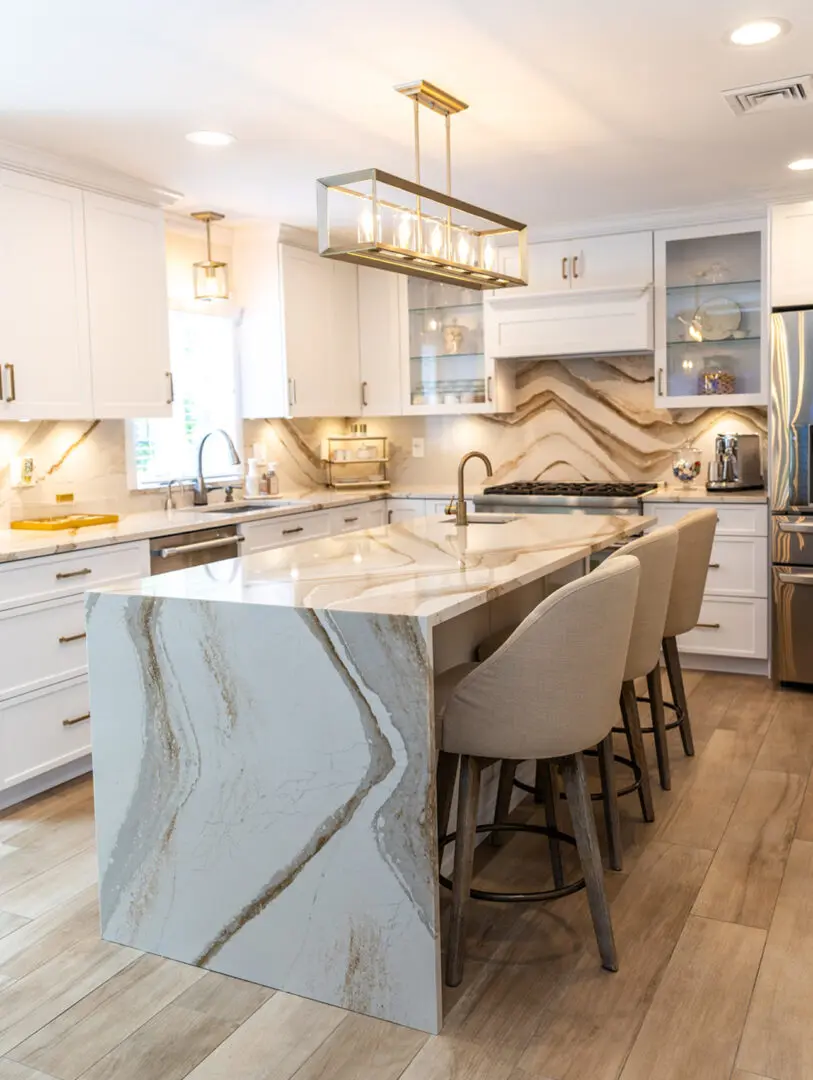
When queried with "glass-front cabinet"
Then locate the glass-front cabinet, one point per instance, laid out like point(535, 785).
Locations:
point(711, 316)
point(447, 370)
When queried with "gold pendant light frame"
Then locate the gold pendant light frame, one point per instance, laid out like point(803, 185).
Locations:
point(211, 278)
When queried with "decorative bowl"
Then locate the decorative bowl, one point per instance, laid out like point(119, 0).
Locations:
point(686, 464)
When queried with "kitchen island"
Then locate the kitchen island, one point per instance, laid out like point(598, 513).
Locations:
point(264, 754)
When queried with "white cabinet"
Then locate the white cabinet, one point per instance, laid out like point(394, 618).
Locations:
point(734, 616)
point(711, 316)
point(44, 345)
point(127, 298)
point(791, 236)
point(598, 262)
point(358, 516)
point(279, 532)
point(383, 340)
point(42, 731)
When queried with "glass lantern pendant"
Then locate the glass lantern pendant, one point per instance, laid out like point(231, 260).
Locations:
point(373, 218)
point(211, 277)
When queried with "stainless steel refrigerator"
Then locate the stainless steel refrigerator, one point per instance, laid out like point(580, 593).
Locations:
point(791, 477)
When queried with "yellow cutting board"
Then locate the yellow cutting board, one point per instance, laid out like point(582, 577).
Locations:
point(66, 521)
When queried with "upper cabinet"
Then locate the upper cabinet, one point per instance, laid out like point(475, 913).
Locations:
point(44, 343)
point(83, 307)
point(127, 300)
point(711, 316)
point(383, 340)
point(583, 297)
point(791, 259)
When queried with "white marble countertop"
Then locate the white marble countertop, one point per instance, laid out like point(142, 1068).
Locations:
point(673, 493)
point(426, 568)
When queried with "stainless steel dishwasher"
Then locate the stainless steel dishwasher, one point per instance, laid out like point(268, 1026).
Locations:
point(182, 550)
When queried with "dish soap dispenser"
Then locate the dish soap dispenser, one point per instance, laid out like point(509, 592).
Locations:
point(271, 479)
point(252, 488)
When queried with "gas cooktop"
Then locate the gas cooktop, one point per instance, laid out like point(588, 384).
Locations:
point(610, 489)
point(594, 497)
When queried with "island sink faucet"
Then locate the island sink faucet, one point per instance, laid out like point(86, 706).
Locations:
point(201, 488)
point(461, 515)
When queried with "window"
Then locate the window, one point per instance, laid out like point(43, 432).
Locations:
point(204, 374)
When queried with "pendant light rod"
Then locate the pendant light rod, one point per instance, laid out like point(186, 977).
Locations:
point(207, 217)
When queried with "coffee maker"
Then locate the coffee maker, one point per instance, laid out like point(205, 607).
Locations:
point(736, 464)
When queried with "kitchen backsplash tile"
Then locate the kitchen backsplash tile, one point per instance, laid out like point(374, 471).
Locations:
point(578, 419)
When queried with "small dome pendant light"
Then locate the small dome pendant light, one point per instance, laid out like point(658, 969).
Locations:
point(211, 277)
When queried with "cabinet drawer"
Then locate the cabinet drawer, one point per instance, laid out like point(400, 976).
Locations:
point(736, 520)
point(729, 626)
point(738, 567)
point(42, 644)
point(43, 730)
point(262, 535)
point(32, 580)
point(352, 518)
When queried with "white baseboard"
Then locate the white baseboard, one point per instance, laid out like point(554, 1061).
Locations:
point(20, 792)
point(734, 665)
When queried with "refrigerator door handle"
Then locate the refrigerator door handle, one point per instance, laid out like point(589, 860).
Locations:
point(795, 579)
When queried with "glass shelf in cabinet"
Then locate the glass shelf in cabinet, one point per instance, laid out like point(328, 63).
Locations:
point(444, 307)
point(713, 285)
point(720, 343)
point(449, 356)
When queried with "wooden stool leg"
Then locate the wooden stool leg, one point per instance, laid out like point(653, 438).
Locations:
point(504, 791)
point(655, 689)
point(635, 738)
point(467, 801)
point(546, 788)
point(612, 822)
point(584, 828)
point(673, 668)
point(446, 777)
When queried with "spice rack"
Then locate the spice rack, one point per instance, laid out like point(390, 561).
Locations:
point(357, 460)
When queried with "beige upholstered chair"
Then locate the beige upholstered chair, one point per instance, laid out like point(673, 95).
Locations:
point(549, 692)
point(695, 539)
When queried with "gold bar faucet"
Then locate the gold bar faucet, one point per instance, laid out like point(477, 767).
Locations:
point(461, 514)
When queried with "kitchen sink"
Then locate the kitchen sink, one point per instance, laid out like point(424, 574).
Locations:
point(487, 519)
point(243, 507)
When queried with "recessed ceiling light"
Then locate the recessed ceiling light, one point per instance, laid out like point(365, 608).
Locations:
point(210, 138)
point(759, 31)
point(802, 164)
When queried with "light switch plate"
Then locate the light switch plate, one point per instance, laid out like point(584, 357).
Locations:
point(417, 447)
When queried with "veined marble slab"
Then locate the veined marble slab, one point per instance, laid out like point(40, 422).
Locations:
point(264, 753)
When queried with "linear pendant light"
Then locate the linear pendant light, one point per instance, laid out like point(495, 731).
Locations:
point(211, 277)
point(373, 218)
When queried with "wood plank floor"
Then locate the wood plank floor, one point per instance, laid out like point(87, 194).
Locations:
point(713, 915)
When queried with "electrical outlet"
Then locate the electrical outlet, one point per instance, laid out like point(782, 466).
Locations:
point(417, 447)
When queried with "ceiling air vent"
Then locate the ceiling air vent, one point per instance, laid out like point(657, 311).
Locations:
point(773, 95)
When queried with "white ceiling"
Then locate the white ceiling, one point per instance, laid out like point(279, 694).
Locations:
point(578, 111)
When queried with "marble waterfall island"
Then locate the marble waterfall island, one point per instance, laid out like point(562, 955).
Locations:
point(264, 754)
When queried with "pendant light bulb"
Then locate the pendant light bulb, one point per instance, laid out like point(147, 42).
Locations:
point(210, 277)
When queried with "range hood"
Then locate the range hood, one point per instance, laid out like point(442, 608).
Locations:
point(522, 325)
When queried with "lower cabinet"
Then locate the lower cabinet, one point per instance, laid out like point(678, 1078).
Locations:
point(43, 730)
point(730, 626)
point(264, 535)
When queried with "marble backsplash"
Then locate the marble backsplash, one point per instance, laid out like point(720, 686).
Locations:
point(577, 419)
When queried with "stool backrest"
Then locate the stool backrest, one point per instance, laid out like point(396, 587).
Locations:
point(656, 552)
point(695, 539)
point(552, 689)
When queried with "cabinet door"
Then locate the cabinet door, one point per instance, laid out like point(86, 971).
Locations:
point(44, 351)
point(320, 318)
point(608, 262)
point(549, 265)
point(791, 264)
point(405, 510)
point(383, 340)
point(265, 535)
point(127, 295)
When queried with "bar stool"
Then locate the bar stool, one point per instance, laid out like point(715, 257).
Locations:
point(531, 699)
point(695, 540)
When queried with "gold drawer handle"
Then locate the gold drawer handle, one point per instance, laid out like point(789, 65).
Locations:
point(290, 532)
point(714, 566)
point(349, 521)
point(708, 626)
point(73, 573)
point(66, 638)
point(76, 720)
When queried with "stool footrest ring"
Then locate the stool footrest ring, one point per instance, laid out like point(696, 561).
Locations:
point(672, 723)
point(517, 897)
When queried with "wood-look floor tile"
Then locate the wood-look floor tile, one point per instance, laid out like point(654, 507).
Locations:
point(39, 940)
point(12, 1070)
point(362, 1047)
point(752, 706)
point(741, 1074)
point(94, 1026)
point(788, 746)
point(9, 923)
point(682, 1036)
point(589, 1029)
point(58, 806)
point(778, 1036)
point(167, 1047)
point(699, 818)
point(52, 888)
point(804, 827)
point(744, 877)
point(38, 998)
point(44, 851)
point(272, 1043)
point(224, 998)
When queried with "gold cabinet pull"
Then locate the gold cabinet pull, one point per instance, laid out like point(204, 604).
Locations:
point(75, 720)
point(66, 638)
point(490, 388)
point(73, 573)
point(574, 262)
point(289, 532)
point(349, 521)
point(564, 268)
point(364, 400)
point(12, 396)
point(171, 397)
point(714, 566)
point(660, 382)
point(708, 626)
